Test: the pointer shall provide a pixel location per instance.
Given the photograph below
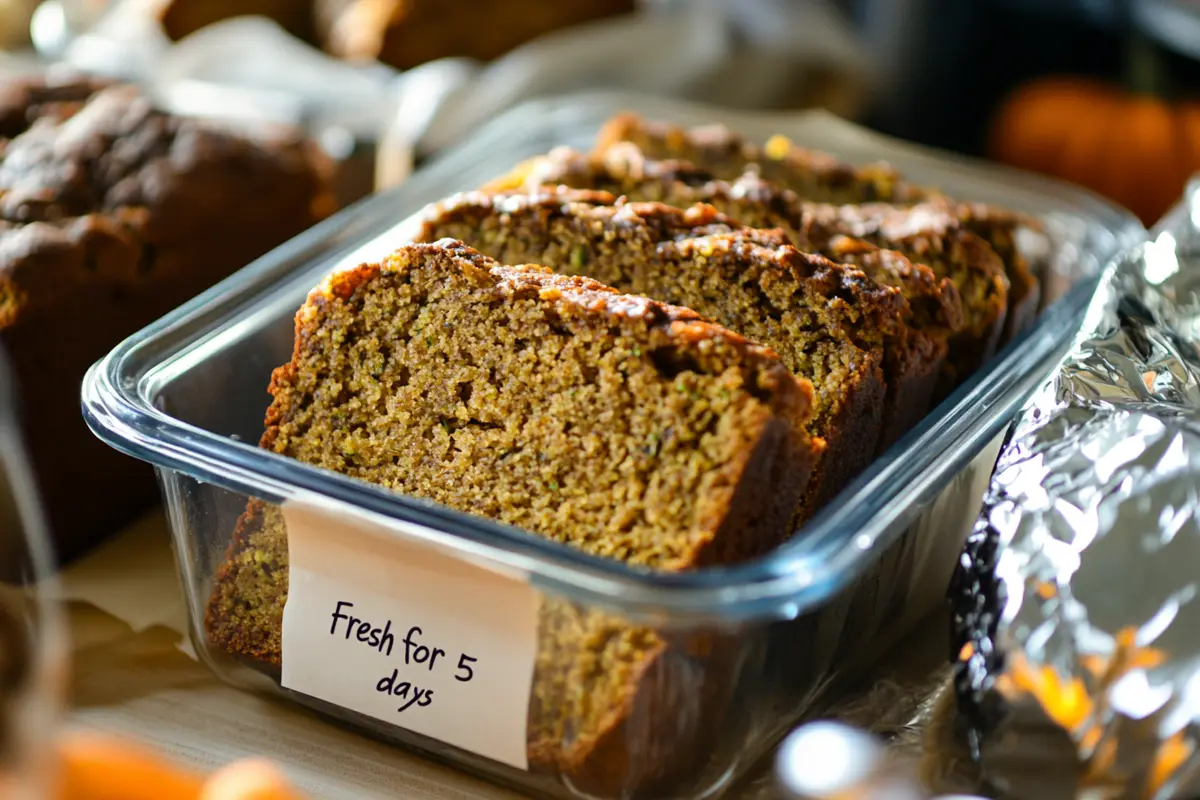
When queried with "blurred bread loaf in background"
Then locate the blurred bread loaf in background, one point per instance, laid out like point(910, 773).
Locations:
point(399, 33)
point(408, 33)
point(112, 213)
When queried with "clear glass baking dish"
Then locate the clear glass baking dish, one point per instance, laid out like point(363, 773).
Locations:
point(751, 648)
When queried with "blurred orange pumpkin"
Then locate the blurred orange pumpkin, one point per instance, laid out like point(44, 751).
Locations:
point(1133, 148)
point(96, 766)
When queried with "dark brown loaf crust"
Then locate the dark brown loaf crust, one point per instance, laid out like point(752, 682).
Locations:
point(823, 178)
point(407, 33)
point(24, 100)
point(111, 215)
point(598, 714)
point(829, 323)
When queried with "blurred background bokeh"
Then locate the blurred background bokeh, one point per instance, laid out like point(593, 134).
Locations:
point(990, 78)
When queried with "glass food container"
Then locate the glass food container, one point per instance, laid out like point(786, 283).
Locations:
point(601, 680)
point(33, 648)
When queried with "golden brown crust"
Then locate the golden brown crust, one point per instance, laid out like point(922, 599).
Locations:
point(603, 214)
point(934, 302)
point(624, 170)
point(823, 178)
point(920, 368)
point(812, 174)
point(571, 294)
point(547, 201)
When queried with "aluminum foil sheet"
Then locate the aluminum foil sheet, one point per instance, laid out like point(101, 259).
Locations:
point(1077, 616)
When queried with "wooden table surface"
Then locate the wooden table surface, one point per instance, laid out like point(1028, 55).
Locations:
point(131, 677)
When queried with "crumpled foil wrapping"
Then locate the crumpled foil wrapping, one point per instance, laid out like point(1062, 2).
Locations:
point(1076, 608)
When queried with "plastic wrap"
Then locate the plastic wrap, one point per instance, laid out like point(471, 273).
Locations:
point(1077, 624)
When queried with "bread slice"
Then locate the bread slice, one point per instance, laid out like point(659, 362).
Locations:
point(967, 285)
point(480, 387)
point(934, 296)
point(829, 323)
point(819, 177)
point(615, 424)
point(929, 236)
point(967, 273)
point(999, 228)
point(624, 170)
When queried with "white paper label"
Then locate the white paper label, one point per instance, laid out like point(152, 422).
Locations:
point(404, 634)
